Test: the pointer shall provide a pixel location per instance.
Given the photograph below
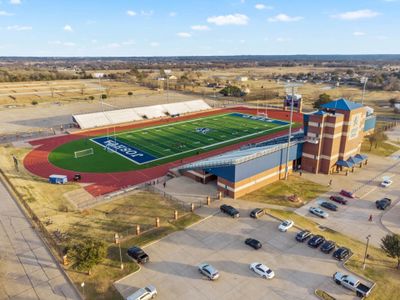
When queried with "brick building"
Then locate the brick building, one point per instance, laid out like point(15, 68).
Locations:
point(334, 135)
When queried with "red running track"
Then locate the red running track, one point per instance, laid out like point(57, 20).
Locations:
point(37, 161)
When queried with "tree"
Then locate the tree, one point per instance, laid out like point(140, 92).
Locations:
point(231, 91)
point(87, 254)
point(391, 246)
point(103, 96)
point(130, 93)
point(380, 137)
point(322, 99)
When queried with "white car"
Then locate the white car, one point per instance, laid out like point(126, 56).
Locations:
point(318, 212)
point(146, 293)
point(262, 270)
point(285, 225)
point(209, 271)
point(386, 182)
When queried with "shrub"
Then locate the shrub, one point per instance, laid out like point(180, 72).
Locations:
point(34, 102)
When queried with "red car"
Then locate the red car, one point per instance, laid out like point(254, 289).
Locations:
point(346, 194)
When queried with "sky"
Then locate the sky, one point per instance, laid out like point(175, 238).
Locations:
point(198, 27)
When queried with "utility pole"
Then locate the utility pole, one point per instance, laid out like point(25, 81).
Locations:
point(363, 80)
point(366, 250)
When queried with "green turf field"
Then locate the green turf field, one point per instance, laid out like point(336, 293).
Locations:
point(164, 143)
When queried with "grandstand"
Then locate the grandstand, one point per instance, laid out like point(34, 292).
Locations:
point(120, 116)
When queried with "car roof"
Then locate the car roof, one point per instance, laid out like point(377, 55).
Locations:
point(135, 248)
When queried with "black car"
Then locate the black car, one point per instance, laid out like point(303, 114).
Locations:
point(316, 241)
point(338, 199)
point(138, 254)
point(253, 243)
point(341, 253)
point(329, 206)
point(303, 235)
point(328, 246)
point(383, 203)
point(256, 213)
point(230, 210)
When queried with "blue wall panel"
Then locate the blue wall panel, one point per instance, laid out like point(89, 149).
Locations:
point(370, 123)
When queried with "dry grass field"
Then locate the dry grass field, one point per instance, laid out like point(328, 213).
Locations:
point(25, 93)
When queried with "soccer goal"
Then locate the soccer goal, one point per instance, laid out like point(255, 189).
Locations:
point(82, 153)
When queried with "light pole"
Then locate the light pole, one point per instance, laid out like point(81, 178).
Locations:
point(120, 255)
point(167, 73)
point(363, 80)
point(366, 250)
point(83, 289)
point(292, 86)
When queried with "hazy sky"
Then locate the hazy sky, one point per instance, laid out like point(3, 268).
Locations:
point(197, 27)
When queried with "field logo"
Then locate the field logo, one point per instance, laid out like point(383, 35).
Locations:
point(129, 152)
point(203, 130)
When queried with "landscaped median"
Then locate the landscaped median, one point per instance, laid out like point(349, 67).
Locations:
point(379, 268)
point(278, 193)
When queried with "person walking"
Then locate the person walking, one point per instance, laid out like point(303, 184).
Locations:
point(330, 182)
point(164, 184)
point(370, 218)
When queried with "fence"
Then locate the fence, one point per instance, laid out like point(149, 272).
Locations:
point(183, 205)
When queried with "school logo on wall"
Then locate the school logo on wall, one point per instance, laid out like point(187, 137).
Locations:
point(355, 126)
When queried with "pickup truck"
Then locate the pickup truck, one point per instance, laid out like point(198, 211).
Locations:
point(352, 283)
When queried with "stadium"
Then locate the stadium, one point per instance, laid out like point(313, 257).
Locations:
point(241, 148)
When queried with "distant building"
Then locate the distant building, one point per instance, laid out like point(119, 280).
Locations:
point(242, 78)
point(98, 75)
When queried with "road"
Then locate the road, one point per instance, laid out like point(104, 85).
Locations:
point(27, 269)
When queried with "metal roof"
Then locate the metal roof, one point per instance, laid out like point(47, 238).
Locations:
point(342, 104)
point(238, 156)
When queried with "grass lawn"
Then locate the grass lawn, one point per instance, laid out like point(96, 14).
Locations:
point(383, 149)
point(380, 268)
point(324, 295)
point(276, 193)
point(155, 145)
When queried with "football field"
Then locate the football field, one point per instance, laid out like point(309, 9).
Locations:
point(155, 145)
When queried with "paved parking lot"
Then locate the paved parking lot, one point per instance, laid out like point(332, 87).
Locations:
point(353, 219)
point(219, 240)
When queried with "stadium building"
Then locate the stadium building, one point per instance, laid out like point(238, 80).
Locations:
point(329, 142)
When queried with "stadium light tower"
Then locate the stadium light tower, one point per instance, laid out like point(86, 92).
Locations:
point(167, 73)
point(364, 81)
point(290, 88)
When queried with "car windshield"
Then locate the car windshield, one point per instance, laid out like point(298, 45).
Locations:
point(269, 271)
point(285, 223)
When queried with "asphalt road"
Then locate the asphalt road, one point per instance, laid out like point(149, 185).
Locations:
point(27, 269)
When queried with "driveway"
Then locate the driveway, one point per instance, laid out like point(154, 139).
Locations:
point(219, 240)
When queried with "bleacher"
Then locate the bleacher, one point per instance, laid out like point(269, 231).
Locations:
point(113, 117)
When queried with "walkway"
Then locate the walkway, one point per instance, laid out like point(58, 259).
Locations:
point(27, 269)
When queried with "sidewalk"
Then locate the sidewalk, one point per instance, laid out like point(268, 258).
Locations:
point(27, 269)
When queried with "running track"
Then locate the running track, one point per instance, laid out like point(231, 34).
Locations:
point(37, 161)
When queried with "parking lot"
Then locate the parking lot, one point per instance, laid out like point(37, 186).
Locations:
point(353, 219)
point(219, 240)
